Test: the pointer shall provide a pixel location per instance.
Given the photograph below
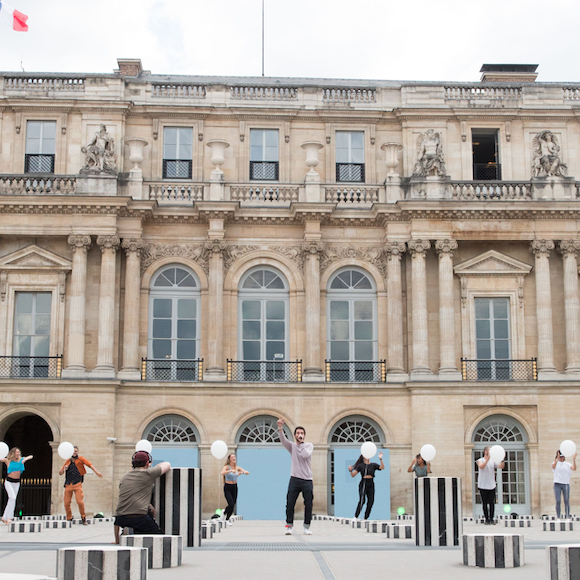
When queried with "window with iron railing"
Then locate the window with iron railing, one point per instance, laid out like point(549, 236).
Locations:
point(264, 156)
point(177, 152)
point(350, 156)
point(40, 147)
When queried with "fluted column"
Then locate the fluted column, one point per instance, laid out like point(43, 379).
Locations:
point(312, 250)
point(541, 250)
point(395, 362)
point(569, 250)
point(75, 352)
point(131, 366)
point(447, 355)
point(418, 250)
point(109, 246)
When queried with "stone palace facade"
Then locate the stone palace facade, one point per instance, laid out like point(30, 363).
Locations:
point(185, 259)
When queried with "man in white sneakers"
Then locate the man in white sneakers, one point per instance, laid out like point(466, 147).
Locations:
point(487, 484)
point(300, 476)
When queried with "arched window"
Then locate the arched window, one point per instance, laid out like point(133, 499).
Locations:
point(513, 479)
point(261, 430)
point(351, 326)
point(355, 430)
point(171, 429)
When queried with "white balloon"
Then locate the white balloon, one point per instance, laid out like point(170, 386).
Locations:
point(144, 445)
point(3, 450)
point(497, 453)
point(567, 448)
point(219, 449)
point(368, 449)
point(66, 449)
point(428, 452)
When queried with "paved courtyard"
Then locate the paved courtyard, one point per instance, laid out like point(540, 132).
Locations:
point(259, 550)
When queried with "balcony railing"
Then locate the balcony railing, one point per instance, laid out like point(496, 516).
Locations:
point(500, 370)
point(264, 194)
point(41, 83)
point(30, 367)
point(349, 95)
point(352, 195)
point(264, 170)
point(172, 370)
point(176, 193)
point(350, 172)
point(479, 93)
point(265, 371)
point(355, 371)
point(177, 168)
point(38, 163)
point(264, 93)
point(179, 91)
point(38, 184)
point(487, 171)
point(491, 190)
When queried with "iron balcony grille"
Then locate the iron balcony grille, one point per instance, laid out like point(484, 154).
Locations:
point(350, 172)
point(172, 370)
point(265, 371)
point(30, 367)
point(355, 371)
point(264, 170)
point(33, 498)
point(176, 169)
point(487, 171)
point(38, 163)
point(499, 370)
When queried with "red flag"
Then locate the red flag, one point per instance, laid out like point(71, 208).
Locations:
point(19, 23)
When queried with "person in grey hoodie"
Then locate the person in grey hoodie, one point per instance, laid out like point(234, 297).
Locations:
point(300, 476)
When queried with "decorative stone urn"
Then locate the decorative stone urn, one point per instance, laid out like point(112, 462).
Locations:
point(218, 156)
point(136, 146)
point(392, 150)
point(312, 148)
point(312, 189)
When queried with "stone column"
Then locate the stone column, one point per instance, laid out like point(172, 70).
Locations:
point(75, 352)
point(569, 250)
point(447, 355)
point(131, 370)
point(312, 370)
point(395, 361)
point(215, 343)
point(541, 250)
point(418, 250)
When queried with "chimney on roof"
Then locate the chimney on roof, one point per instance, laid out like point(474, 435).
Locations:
point(508, 73)
point(129, 67)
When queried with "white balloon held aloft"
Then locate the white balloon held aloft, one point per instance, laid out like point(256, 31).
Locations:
point(66, 449)
point(219, 449)
point(3, 450)
point(144, 445)
point(497, 453)
point(428, 452)
point(567, 448)
point(368, 449)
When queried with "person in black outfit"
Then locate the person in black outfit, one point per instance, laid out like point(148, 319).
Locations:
point(366, 488)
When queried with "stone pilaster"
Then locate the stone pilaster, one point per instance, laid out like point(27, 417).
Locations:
point(541, 250)
point(447, 355)
point(418, 250)
point(131, 370)
point(395, 361)
point(75, 350)
point(569, 250)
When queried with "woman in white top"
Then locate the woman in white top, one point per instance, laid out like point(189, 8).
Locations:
point(562, 473)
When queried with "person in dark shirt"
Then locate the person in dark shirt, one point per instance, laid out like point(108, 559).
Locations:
point(366, 488)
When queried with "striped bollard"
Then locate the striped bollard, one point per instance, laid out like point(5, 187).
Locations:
point(206, 532)
point(438, 519)
point(54, 517)
point(162, 551)
point(101, 563)
point(567, 526)
point(518, 523)
point(400, 531)
point(357, 524)
point(563, 562)
point(28, 527)
point(178, 504)
point(493, 550)
point(57, 524)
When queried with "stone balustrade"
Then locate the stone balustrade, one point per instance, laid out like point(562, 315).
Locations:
point(352, 195)
point(458, 93)
point(332, 95)
point(176, 193)
point(571, 93)
point(491, 190)
point(250, 93)
point(41, 185)
point(264, 194)
point(178, 91)
point(38, 83)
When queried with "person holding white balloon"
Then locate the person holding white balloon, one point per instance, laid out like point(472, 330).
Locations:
point(486, 482)
point(562, 473)
point(421, 467)
point(366, 488)
point(230, 472)
point(15, 467)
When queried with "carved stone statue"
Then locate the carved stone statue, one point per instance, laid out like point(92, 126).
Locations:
point(100, 153)
point(429, 155)
point(547, 159)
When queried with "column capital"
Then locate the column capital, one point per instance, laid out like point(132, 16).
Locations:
point(132, 245)
point(395, 250)
point(541, 247)
point(313, 247)
point(445, 247)
point(215, 246)
point(418, 247)
point(80, 242)
point(108, 243)
point(569, 247)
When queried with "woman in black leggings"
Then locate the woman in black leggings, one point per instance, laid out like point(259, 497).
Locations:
point(231, 471)
point(366, 488)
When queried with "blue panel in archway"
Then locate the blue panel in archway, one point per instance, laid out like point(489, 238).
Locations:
point(346, 487)
point(262, 494)
point(178, 456)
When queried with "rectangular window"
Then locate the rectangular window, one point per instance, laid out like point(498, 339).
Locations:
point(177, 152)
point(492, 339)
point(264, 156)
point(40, 146)
point(486, 164)
point(350, 156)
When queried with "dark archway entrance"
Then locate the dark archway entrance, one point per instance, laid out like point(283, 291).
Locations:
point(32, 435)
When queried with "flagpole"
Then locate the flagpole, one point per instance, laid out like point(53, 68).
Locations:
point(262, 37)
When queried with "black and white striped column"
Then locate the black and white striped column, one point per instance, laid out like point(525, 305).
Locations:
point(162, 551)
point(25, 527)
point(518, 523)
point(563, 562)
point(567, 526)
point(493, 550)
point(400, 531)
point(178, 504)
point(438, 517)
point(54, 517)
point(101, 563)
point(206, 531)
point(57, 524)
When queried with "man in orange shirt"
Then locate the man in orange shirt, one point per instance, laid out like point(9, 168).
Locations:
point(73, 482)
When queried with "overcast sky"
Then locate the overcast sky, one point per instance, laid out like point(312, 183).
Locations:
point(356, 39)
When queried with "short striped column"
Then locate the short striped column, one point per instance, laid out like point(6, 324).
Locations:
point(357, 524)
point(102, 520)
point(438, 519)
point(406, 517)
point(101, 563)
point(206, 531)
point(178, 504)
point(54, 517)
point(57, 524)
point(567, 526)
point(379, 527)
point(79, 521)
point(30, 518)
point(563, 562)
point(518, 523)
point(29, 527)
point(162, 551)
point(400, 531)
point(493, 550)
